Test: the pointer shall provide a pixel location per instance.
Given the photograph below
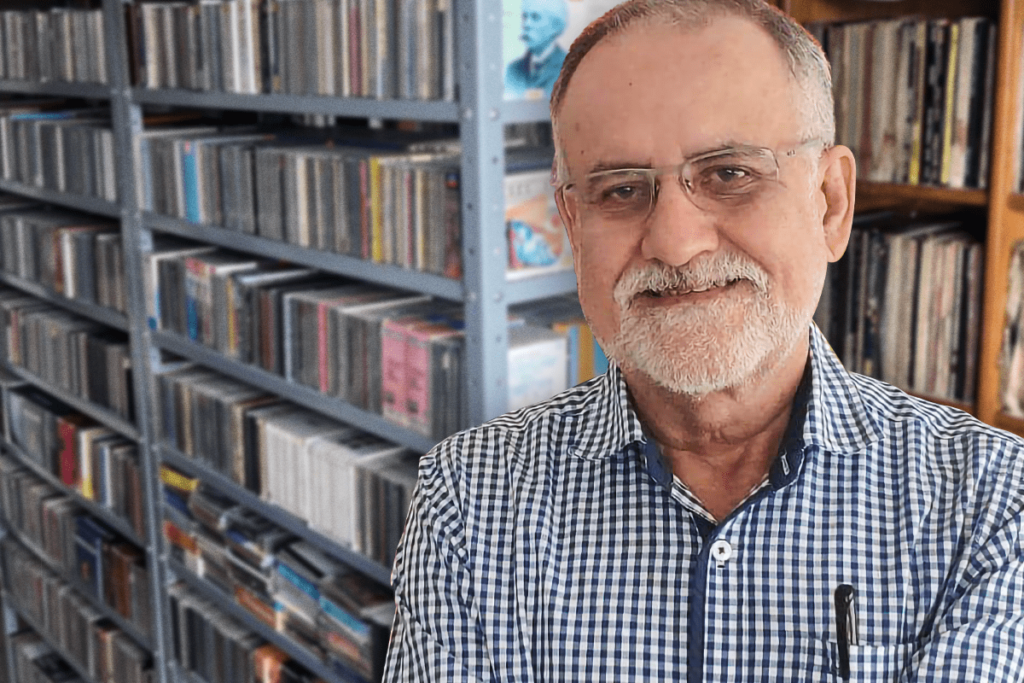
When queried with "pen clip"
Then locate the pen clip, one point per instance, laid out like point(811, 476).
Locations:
point(846, 626)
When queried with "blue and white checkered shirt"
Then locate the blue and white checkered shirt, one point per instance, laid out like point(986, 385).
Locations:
point(553, 544)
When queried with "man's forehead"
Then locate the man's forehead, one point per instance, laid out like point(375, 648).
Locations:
point(670, 48)
point(655, 80)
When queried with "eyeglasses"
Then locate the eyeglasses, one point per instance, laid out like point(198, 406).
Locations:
point(721, 181)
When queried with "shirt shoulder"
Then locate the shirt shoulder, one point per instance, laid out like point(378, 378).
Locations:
point(896, 410)
point(520, 445)
point(946, 449)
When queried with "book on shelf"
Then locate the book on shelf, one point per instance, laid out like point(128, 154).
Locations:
point(69, 151)
point(57, 44)
point(396, 354)
point(904, 302)
point(89, 639)
point(377, 49)
point(286, 452)
point(111, 569)
point(564, 315)
point(389, 201)
point(35, 661)
point(351, 468)
point(77, 355)
point(32, 417)
point(73, 255)
point(1011, 360)
point(92, 460)
point(331, 612)
point(914, 97)
point(537, 240)
point(537, 365)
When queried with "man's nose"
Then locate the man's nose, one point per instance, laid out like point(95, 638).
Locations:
point(677, 230)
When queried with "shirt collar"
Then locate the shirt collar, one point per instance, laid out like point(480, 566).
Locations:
point(836, 418)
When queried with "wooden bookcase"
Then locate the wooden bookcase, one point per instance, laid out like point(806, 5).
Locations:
point(1003, 205)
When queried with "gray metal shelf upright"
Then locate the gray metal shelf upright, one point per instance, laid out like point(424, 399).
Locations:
point(126, 117)
point(485, 256)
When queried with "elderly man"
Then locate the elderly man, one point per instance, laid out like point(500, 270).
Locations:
point(727, 503)
point(533, 75)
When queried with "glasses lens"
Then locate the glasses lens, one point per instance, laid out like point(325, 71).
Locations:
point(624, 195)
point(732, 178)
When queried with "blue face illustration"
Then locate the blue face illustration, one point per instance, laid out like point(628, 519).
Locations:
point(543, 22)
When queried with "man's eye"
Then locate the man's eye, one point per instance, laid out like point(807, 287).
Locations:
point(727, 179)
point(621, 194)
point(731, 175)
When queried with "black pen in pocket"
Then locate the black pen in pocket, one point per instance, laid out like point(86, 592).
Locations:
point(846, 626)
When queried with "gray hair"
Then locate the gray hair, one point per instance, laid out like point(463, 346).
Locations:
point(804, 56)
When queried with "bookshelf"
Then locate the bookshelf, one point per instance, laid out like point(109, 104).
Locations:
point(115, 522)
point(14, 613)
point(234, 610)
point(1003, 208)
point(479, 114)
point(106, 610)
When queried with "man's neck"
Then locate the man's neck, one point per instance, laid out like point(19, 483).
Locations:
point(721, 445)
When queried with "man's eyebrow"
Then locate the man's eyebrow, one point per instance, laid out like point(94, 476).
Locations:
point(617, 165)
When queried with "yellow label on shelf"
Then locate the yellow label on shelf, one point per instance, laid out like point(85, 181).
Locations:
point(178, 480)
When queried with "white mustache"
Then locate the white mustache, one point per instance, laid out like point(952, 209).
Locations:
point(715, 271)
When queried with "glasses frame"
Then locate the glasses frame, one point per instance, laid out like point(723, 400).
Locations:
point(681, 171)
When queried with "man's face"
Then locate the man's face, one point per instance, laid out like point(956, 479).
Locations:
point(541, 25)
point(699, 300)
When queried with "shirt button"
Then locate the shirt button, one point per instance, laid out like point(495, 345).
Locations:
point(721, 551)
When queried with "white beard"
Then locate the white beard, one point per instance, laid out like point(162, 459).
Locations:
point(703, 348)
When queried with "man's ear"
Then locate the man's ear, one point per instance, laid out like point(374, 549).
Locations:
point(839, 187)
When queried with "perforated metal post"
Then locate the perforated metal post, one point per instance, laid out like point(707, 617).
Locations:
point(480, 75)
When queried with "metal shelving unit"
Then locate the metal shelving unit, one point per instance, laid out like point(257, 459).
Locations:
point(278, 516)
point(101, 314)
point(116, 523)
point(236, 611)
point(11, 603)
point(90, 91)
point(480, 115)
point(102, 415)
point(297, 393)
point(95, 205)
point(388, 275)
point(108, 612)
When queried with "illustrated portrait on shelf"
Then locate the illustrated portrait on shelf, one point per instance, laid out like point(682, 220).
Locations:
point(536, 36)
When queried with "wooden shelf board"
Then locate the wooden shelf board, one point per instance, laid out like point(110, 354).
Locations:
point(966, 407)
point(877, 194)
point(1010, 423)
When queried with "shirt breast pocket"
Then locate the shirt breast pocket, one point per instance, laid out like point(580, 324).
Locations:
point(874, 663)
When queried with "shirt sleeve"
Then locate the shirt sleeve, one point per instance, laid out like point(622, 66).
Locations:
point(979, 633)
point(436, 634)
